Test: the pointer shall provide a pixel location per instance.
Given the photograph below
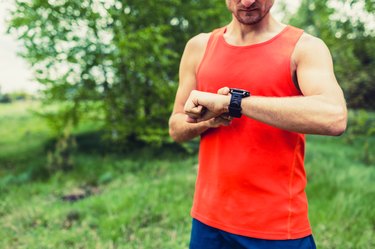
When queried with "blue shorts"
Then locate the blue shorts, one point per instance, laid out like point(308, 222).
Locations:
point(206, 237)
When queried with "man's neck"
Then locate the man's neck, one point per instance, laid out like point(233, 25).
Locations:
point(241, 34)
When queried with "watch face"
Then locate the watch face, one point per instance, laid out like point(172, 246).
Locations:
point(241, 92)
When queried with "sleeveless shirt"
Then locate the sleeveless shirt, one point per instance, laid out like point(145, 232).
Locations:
point(251, 178)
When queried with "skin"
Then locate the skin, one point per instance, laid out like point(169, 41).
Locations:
point(320, 110)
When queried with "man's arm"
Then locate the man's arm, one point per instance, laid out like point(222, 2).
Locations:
point(179, 129)
point(321, 109)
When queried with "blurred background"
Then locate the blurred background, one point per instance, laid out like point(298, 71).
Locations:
point(86, 90)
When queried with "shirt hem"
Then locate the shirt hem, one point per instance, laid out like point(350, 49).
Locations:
point(251, 233)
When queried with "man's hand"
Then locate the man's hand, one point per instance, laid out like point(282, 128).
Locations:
point(202, 106)
point(223, 91)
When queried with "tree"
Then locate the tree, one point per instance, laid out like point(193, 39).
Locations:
point(351, 40)
point(114, 61)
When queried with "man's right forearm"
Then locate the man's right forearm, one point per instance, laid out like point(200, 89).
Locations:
point(182, 131)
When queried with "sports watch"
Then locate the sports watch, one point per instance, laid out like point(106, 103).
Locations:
point(235, 101)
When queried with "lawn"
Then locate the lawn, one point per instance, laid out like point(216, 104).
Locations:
point(142, 199)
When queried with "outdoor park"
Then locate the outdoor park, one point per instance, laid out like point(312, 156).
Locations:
point(87, 162)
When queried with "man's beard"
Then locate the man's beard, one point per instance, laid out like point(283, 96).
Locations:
point(250, 21)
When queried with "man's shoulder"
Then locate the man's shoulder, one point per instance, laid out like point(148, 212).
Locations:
point(310, 46)
point(194, 50)
point(199, 41)
point(309, 42)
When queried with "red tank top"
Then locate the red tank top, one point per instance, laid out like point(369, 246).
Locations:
point(251, 178)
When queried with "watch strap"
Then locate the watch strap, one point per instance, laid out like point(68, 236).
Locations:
point(235, 105)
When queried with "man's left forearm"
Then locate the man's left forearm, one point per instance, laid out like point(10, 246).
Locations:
point(303, 114)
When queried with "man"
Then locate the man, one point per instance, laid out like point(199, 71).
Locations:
point(251, 90)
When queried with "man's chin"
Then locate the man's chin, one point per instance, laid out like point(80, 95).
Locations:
point(246, 21)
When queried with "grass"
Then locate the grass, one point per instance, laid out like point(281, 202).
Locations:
point(143, 199)
point(341, 194)
point(142, 205)
point(21, 145)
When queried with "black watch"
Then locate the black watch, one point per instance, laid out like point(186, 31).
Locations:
point(235, 101)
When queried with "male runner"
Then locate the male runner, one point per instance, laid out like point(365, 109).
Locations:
point(251, 90)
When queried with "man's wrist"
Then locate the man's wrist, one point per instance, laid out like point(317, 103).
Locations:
point(226, 102)
point(235, 105)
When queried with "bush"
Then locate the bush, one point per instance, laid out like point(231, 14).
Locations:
point(361, 129)
point(5, 98)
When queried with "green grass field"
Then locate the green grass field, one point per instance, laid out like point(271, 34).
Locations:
point(143, 199)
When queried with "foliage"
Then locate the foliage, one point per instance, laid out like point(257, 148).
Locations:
point(351, 40)
point(361, 126)
point(116, 61)
point(6, 98)
point(360, 122)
